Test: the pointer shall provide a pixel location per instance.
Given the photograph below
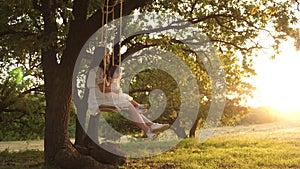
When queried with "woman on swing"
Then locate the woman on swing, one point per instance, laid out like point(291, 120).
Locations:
point(101, 93)
point(114, 78)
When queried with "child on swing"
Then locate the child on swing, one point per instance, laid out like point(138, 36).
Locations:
point(100, 93)
point(114, 77)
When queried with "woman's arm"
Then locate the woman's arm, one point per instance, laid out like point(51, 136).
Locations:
point(104, 88)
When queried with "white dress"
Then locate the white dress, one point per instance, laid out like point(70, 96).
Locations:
point(116, 88)
point(97, 98)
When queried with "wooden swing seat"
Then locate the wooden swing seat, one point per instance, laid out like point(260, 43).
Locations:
point(109, 108)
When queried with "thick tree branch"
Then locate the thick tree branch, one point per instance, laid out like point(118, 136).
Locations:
point(172, 26)
point(49, 60)
point(213, 16)
point(35, 89)
point(128, 39)
point(135, 48)
point(219, 16)
point(80, 10)
point(94, 22)
point(76, 35)
point(235, 45)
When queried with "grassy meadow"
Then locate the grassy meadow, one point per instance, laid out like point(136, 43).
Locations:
point(274, 145)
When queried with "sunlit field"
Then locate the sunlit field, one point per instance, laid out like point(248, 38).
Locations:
point(272, 145)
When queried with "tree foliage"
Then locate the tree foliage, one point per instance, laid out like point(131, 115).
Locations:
point(22, 98)
point(49, 34)
point(21, 111)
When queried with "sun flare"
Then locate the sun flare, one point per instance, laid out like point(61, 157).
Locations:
point(278, 82)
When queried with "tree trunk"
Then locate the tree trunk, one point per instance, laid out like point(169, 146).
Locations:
point(56, 135)
point(93, 128)
point(79, 132)
point(58, 91)
point(81, 107)
point(58, 150)
point(194, 128)
point(180, 131)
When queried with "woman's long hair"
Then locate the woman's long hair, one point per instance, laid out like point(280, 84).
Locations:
point(98, 53)
point(112, 70)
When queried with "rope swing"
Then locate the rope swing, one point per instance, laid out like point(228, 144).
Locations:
point(108, 7)
point(120, 33)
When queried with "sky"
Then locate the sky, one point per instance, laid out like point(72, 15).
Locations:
point(278, 80)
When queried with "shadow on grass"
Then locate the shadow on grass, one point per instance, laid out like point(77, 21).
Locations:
point(22, 159)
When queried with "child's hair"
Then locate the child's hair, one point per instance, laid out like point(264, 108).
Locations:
point(114, 70)
point(97, 57)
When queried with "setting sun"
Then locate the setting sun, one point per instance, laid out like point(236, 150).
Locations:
point(278, 82)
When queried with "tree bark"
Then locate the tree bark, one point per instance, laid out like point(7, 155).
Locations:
point(81, 110)
point(58, 85)
point(180, 131)
point(79, 130)
point(192, 133)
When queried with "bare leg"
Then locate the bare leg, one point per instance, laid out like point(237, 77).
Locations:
point(145, 124)
point(134, 103)
point(146, 120)
point(137, 118)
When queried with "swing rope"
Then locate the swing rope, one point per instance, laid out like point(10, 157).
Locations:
point(106, 12)
point(121, 25)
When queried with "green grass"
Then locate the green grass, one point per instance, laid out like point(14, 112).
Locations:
point(226, 153)
point(21, 160)
point(266, 146)
point(217, 152)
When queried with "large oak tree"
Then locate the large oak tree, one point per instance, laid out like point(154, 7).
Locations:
point(57, 30)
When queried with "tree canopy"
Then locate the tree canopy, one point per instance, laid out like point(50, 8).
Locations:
point(43, 38)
